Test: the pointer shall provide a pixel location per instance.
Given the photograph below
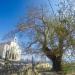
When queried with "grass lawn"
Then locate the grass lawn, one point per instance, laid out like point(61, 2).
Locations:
point(69, 68)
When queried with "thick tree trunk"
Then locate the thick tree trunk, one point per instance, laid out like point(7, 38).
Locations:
point(56, 64)
point(56, 60)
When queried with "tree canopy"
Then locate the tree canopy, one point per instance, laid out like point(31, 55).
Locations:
point(52, 34)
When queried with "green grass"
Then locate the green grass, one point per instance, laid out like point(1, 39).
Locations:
point(69, 68)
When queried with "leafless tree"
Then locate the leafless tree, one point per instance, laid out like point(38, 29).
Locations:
point(54, 34)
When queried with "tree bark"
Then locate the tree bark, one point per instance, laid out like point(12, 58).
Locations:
point(56, 64)
point(56, 60)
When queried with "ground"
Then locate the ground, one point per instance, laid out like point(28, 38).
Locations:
point(39, 69)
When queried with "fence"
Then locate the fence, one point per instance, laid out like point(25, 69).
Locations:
point(27, 69)
point(40, 68)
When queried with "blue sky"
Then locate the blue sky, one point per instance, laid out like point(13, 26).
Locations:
point(12, 10)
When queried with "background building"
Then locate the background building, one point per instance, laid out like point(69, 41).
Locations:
point(10, 50)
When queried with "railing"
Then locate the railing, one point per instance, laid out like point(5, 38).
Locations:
point(27, 69)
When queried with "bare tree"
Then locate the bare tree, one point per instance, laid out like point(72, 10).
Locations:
point(54, 34)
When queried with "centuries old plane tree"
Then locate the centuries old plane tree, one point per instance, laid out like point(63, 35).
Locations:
point(54, 34)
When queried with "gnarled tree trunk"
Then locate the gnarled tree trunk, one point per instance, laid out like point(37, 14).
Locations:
point(56, 60)
point(56, 66)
